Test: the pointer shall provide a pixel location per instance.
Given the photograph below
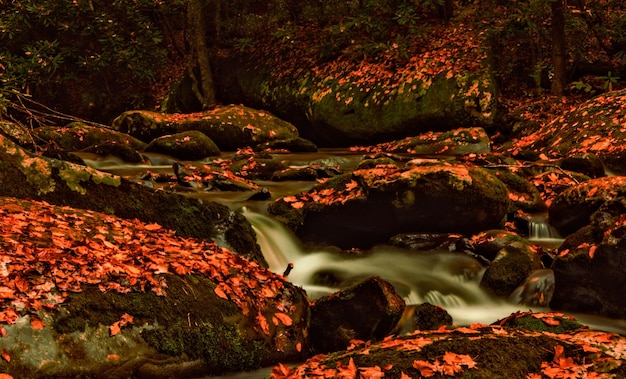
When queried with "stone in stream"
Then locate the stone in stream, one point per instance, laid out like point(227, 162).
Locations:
point(371, 205)
point(367, 311)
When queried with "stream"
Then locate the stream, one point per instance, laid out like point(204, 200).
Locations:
point(443, 278)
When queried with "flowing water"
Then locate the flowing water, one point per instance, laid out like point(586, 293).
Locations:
point(438, 277)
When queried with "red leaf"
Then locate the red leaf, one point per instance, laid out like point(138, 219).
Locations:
point(284, 318)
point(220, 292)
point(5, 355)
point(114, 329)
point(152, 227)
point(36, 323)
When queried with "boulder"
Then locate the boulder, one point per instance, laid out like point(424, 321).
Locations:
point(594, 127)
point(510, 268)
point(292, 145)
point(191, 145)
point(590, 268)
point(454, 142)
point(366, 311)
point(339, 103)
point(79, 136)
point(572, 209)
point(87, 294)
point(229, 126)
point(371, 205)
point(26, 175)
point(545, 343)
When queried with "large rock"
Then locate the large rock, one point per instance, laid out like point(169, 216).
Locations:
point(371, 205)
point(594, 127)
point(26, 175)
point(87, 294)
point(230, 126)
point(540, 345)
point(572, 209)
point(348, 102)
point(188, 146)
point(510, 267)
point(367, 311)
point(590, 269)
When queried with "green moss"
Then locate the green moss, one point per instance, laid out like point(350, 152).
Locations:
point(534, 324)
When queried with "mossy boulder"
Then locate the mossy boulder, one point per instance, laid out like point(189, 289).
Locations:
point(454, 142)
point(191, 145)
point(349, 102)
point(510, 267)
point(478, 351)
point(591, 265)
point(104, 297)
point(371, 205)
point(594, 127)
point(369, 310)
point(78, 136)
point(28, 176)
point(572, 209)
point(230, 127)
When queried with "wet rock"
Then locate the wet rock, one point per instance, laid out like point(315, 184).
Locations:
point(489, 243)
point(454, 142)
point(120, 150)
point(369, 206)
point(522, 194)
point(191, 145)
point(511, 266)
point(590, 268)
point(301, 174)
point(230, 126)
point(172, 305)
point(293, 145)
point(260, 195)
point(337, 108)
point(478, 351)
point(572, 209)
point(537, 289)
point(78, 136)
point(430, 317)
point(367, 311)
point(26, 175)
point(594, 127)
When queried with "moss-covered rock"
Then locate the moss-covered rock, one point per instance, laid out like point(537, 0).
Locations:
point(28, 176)
point(371, 205)
point(230, 126)
point(480, 351)
point(92, 295)
point(572, 209)
point(78, 136)
point(191, 145)
point(594, 127)
point(347, 102)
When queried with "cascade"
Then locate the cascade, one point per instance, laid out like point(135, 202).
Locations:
point(450, 280)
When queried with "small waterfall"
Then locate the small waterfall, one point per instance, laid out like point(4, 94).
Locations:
point(539, 228)
point(450, 280)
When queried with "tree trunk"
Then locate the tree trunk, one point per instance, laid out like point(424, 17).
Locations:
point(203, 87)
point(558, 47)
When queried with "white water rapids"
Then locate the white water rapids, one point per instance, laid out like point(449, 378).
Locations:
point(442, 278)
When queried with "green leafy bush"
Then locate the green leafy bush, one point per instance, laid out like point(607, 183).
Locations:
point(83, 53)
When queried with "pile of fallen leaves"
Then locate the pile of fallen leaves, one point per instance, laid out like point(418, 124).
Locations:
point(48, 252)
point(598, 354)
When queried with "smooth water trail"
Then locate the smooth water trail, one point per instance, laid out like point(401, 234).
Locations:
point(442, 278)
point(541, 232)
